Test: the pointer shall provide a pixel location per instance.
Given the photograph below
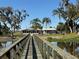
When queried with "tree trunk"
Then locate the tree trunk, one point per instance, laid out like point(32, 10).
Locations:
point(14, 27)
point(12, 36)
point(14, 30)
point(46, 28)
point(70, 29)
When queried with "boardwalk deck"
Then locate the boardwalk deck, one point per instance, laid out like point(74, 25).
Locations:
point(32, 50)
point(25, 50)
point(39, 56)
point(32, 47)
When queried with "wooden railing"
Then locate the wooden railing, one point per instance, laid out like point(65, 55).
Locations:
point(15, 50)
point(49, 51)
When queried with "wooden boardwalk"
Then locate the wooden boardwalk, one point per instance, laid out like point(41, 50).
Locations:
point(31, 50)
point(32, 47)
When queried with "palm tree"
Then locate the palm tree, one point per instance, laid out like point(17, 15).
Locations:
point(46, 21)
point(36, 20)
point(36, 24)
point(69, 13)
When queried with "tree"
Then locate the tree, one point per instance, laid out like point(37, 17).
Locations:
point(17, 18)
point(50, 27)
point(36, 24)
point(36, 20)
point(60, 27)
point(11, 17)
point(5, 14)
point(46, 20)
point(69, 13)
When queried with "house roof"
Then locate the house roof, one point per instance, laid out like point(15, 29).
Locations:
point(48, 29)
point(42, 29)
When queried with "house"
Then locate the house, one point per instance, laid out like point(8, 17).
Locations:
point(49, 30)
point(44, 31)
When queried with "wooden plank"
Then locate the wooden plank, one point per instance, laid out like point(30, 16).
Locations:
point(30, 50)
point(23, 56)
point(39, 56)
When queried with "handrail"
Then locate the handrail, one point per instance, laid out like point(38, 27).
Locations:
point(47, 50)
point(13, 46)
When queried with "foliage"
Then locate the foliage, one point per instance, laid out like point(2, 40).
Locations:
point(49, 39)
point(65, 38)
point(36, 24)
point(10, 19)
point(69, 12)
point(18, 34)
point(17, 18)
point(36, 20)
point(62, 28)
point(46, 20)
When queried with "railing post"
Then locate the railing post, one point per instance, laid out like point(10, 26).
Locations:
point(54, 54)
point(13, 54)
point(17, 51)
point(44, 51)
point(20, 48)
point(48, 56)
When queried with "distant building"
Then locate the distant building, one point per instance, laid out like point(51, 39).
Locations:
point(49, 30)
point(44, 31)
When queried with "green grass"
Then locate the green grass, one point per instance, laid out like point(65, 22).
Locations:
point(76, 39)
point(65, 38)
point(54, 35)
point(18, 35)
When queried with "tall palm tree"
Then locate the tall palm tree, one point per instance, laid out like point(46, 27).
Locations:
point(36, 24)
point(36, 20)
point(46, 21)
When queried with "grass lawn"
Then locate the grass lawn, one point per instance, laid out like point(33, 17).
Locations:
point(7, 37)
point(63, 38)
point(18, 35)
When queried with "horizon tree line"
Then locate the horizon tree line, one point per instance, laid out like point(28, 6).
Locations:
point(66, 10)
point(70, 14)
point(39, 24)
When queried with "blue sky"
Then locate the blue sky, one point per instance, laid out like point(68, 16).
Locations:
point(35, 8)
